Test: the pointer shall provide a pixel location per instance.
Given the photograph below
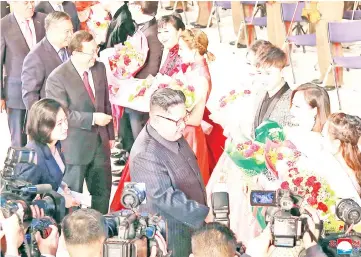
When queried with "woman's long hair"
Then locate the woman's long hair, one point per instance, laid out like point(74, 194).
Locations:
point(347, 129)
point(316, 97)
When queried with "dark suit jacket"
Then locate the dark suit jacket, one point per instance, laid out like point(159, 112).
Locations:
point(12, 54)
point(154, 58)
point(38, 65)
point(5, 9)
point(66, 86)
point(46, 171)
point(174, 186)
point(69, 8)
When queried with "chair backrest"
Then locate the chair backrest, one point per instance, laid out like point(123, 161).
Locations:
point(288, 10)
point(223, 4)
point(344, 31)
point(253, 2)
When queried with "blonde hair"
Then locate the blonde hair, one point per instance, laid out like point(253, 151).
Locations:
point(197, 39)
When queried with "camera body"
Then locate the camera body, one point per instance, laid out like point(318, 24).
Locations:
point(130, 232)
point(287, 225)
point(348, 211)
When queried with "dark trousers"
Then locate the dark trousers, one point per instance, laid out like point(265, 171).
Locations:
point(97, 175)
point(16, 120)
point(131, 124)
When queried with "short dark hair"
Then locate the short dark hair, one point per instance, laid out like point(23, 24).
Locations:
point(54, 17)
point(214, 240)
point(148, 7)
point(174, 19)
point(83, 227)
point(165, 98)
point(76, 43)
point(41, 120)
point(272, 56)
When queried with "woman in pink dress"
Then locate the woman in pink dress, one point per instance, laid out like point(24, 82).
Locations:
point(193, 49)
point(169, 30)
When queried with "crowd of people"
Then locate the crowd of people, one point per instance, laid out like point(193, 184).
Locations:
point(56, 92)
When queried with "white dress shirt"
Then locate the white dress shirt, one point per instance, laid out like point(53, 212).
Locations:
point(57, 49)
point(57, 7)
point(23, 27)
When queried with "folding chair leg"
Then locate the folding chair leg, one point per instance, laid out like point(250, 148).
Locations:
point(214, 7)
point(326, 75)
point(337, 87)
point(219, 29)
point(243, 25)
point(290, 59)
point(184, 12)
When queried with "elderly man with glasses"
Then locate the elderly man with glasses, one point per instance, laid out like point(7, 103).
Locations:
point(162, 159)
point(80, 85)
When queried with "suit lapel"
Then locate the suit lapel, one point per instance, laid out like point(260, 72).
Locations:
point(38, 28)
point(15, 28)
point(49, 48)
point(97, 88)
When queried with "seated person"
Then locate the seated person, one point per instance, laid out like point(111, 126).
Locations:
point(47, 124)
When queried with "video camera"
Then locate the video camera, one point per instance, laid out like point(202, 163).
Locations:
point(287, 224)
point(127, 227)
point(15, 192)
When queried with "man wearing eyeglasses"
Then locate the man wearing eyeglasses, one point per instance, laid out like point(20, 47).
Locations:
point(80, 85)
point(20, 31)
point(162, 159)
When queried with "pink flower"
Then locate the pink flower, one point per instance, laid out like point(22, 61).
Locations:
point(297, 181)
point(248, 153)
point(223, 104)
point(255, 147)
point(312, 200)
point(127, 60)
point(279, 156)
point(248, 142)
point(323, 207)
point(142, 91)
point(162, 85)
point(116, 57)
point(316, 187)
point(232, 92)
point(179, 82)
point(295, 170)
point(98, 23)
point(310, 181)
point(221, 100)
point(191, 88)
point(247, 92)
point(285, 185)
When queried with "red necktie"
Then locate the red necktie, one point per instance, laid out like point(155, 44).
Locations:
point(29, 34)
point(87, 87)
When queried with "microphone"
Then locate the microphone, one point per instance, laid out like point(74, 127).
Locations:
point(220, 204)
point(37, 189)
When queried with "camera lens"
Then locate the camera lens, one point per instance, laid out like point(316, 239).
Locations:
point(348, 211)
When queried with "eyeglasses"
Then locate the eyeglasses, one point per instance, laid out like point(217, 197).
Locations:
point(178, 122)
point(92, 54)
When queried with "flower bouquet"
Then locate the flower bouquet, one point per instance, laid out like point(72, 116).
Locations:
point(98, 24)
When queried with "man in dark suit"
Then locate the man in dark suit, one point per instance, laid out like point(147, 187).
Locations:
point(80, 85)
point(61, 6)
point(133, 121)
point(20, 31)
point(162, 159)
point(48, 54)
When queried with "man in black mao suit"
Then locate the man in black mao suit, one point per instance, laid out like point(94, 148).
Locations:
point(162, 159)
point(20, 31)
point(80, 85)
point(48, 54)
point(62, 6)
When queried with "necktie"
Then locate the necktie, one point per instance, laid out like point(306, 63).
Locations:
point(87, 87)
point(29, 34)
point(63, 55)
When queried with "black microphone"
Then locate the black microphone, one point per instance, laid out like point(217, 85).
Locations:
point(220, 205)
point(37, 189)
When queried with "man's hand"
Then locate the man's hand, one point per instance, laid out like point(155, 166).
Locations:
point(261, 246)
point(70, 201)
point(102, 119)
point(2, 106)
point(111, 143)
point(312, 220)
point(13, 232)
point(37, 212)
point(50, 244)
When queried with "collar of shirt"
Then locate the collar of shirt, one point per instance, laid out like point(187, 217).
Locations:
point(171, 145)
point(56, 6)
point(21, 19)
point(80, 72)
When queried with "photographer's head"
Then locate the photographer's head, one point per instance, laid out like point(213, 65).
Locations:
point(84, 232)
point(168, 114)
point(214, 240)
point(47, 122)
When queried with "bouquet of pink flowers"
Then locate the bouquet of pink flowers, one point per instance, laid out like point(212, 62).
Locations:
point(232, 96)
